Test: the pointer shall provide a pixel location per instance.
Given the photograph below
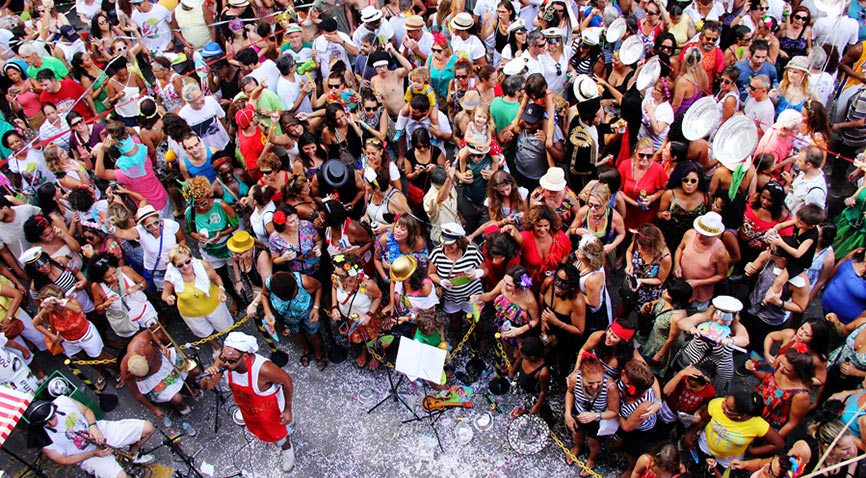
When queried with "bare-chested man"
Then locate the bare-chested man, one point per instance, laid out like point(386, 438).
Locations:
point(154, 373)
point(388, 84)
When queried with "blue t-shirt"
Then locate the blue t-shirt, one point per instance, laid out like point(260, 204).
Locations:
point(845, 294)
point(746, 75)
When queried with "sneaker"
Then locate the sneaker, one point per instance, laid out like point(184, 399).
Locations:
point(287, 459)
point(143, 459)
point(185, 410)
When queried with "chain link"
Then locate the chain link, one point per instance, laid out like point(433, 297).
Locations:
point(571, 456)
point(462, 341)
point(500, 350)
point(191, 344)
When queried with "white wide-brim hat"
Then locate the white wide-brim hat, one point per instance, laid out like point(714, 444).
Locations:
point(553, 180)
point(735, 141)
point(615, 30)
point(585, 88)
point(701, 118)
point(709, 224)
point(631, 50)
point(649, 74)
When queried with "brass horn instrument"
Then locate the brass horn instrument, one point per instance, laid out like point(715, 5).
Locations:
point(125, 455)
point(188, 365)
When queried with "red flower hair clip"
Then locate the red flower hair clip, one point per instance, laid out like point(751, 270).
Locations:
point(801, 347)
point(279, 217)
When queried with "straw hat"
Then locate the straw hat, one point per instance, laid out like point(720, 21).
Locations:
point(701, 118)
point(553, 180)
point(585, 88)
point(631, 50)
point(241, 241)
point(709, 224)
point(402, 268)
point(735, 141)
point(370, 14)
point(798, 63)
point(462, 21)
point(144, 213)
point(414, 22)
point(470, 100)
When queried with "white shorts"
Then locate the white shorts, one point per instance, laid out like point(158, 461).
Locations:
point(216, 262)
point(219, 319)
point(454, 307)
point(30, 333)
point(90, 343)
point(119, 434)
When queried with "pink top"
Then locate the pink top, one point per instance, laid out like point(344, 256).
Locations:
point(147, 185)
point(700, 265)
point(777, 145)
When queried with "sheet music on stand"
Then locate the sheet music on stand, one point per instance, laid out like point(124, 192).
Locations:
point(417, 360)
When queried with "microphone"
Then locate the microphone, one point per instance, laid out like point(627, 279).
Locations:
point(219, 370)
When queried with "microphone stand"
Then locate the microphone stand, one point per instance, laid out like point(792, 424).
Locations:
point(173, 444)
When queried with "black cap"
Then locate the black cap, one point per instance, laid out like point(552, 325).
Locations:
point(40, 412)
point(533, 113)
point(328, 25)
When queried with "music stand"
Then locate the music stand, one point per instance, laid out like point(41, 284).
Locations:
point(421, 361)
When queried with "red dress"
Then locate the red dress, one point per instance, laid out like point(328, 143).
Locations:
point(653, 180)
point(538, 266)
point(261, 410)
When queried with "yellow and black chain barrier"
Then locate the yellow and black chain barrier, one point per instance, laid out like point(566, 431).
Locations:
point(571, 456)
point(75, 364)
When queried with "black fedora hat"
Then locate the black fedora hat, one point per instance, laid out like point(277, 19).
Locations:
point(335, 173)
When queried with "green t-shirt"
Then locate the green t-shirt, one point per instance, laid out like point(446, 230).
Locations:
point(51, 63)
point(432, 340)
point(268, 102)
point(503, 112)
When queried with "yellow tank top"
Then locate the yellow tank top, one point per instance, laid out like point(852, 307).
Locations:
point(194, 303)
point(858, 66)
point(192, 26)
point(5, 302)
point(680, 31)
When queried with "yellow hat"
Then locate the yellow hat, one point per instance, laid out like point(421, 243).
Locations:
point(402, 268)
point(240, 241)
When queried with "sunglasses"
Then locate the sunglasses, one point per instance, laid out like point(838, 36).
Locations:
point(726, 81)
point(753, 87)
point(332, 85)
point(373, 141)
point(152, 225)
point(552, 41)
point(666, 48)
point(266, 172)
point(478, 156)
point(73, 125)
point(437, 50)
point(594, 206)
point(801, 17)
point(536, 45)
point(690, 180)
point(184, 263)
point(230, 361)
point(461, 77)
point(422, 146)
point(762, 9)
point(368, 108)
point(645, 155)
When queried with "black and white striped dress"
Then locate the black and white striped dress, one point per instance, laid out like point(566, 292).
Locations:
point(582, 403)
point(465, 265)
point(626, 409)
point(700, 351)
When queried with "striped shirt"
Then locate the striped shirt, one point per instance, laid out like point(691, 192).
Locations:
point(464, 266)
point(582, 403)
point(626, 409)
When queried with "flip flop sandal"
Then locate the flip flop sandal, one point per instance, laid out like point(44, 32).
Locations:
point(100, 383)
point(119, 383)
point(322, 363)
point(305, 360)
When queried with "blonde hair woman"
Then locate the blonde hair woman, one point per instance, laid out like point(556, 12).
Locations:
point(69, 172)
point(199, 293)
point(599, 219)
point(794, 89)
point(692, 82)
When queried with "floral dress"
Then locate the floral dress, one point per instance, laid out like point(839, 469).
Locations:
point(777, 402)
point(306, 262)
point(647, 293)
point(391, 252)
point(507, 311)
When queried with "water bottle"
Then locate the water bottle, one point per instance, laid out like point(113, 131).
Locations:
point(188, 429)
point(506, 326)
point(291, 428)
point(166, 421)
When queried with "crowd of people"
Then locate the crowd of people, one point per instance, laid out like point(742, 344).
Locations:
point(629, 194)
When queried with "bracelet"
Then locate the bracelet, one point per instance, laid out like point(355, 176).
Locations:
point(91, 425)
point(316, 307)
